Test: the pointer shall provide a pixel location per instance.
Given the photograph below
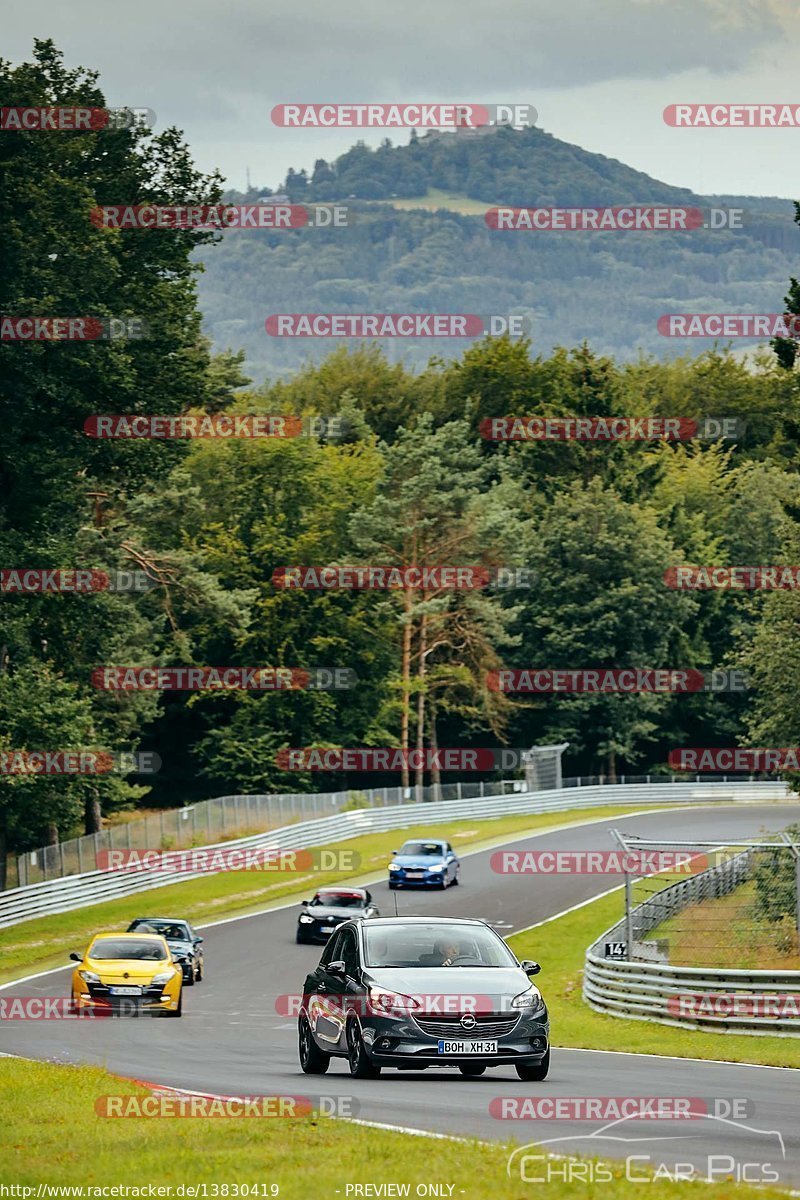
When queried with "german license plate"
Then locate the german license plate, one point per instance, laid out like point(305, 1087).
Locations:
point(447, 1047)
point(414, 874)
point(125, 991)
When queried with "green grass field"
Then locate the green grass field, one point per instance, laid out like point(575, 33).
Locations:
point(435, 199)
point(51, 1134)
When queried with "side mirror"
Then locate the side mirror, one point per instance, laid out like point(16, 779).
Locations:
point(198, 941)
point(76, 957)
point(530, 967)
point(336, 967)
point(303, 903)
point(395, 852)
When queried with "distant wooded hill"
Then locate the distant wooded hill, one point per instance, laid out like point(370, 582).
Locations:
point(419, 243)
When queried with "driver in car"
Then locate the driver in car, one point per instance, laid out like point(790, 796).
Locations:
point(442, 954)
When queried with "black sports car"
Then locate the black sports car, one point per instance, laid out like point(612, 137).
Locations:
point(329, 908)
point(185, 945)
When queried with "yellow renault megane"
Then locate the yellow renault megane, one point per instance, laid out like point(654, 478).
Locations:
point(128, 972)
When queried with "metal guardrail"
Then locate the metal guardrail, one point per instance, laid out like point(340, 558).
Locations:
point(690, 997)
point(225, 817)
point(93, 887)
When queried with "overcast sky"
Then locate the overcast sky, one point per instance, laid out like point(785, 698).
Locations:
point(599, 72)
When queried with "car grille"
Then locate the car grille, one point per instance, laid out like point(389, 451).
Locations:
point(488, 1025)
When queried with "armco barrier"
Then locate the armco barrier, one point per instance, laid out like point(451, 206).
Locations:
point(92, 887)
point(726, 999)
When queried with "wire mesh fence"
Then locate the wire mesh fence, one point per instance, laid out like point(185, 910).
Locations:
point(734, 904)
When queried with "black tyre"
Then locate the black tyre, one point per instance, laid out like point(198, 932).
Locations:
point(472, 1070)
point(301, 939)
point(392, 887)
point(312, 1060)
point(456, 879)
point(199, 974)
point(361, 1065)
point(534, 1071)
point(188, 980)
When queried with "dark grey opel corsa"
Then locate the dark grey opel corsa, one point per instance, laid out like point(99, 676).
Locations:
point(418, 992)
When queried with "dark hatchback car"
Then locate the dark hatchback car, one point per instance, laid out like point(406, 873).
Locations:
point(329, 908)
point(186, 946)
point(419, 992)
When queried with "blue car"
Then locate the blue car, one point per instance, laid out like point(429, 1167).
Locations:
point(429, 864)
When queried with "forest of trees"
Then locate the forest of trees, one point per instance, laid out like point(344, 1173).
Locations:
point(409, 481)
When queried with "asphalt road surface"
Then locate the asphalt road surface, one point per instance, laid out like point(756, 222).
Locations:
point(235, 1037)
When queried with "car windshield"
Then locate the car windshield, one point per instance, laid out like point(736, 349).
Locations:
point(435, 945)
point(339, 899)
point(147, 949)
point(167, 929)
point(424, 848)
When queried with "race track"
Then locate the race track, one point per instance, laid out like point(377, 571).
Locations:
point(233, 1039)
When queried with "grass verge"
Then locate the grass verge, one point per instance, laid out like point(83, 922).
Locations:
point(51, 1134)
point(46, 941)
point(714, 931)
point(560, 946)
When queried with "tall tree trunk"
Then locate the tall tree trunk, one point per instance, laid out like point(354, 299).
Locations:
point(612, 766)
point(419, 780)
point(436, 773)
point(92, 814)
point(406, 685)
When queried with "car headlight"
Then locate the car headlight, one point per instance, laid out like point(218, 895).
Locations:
point(163, 976)
point(89, 976)
point(384, 1003)
point(439, 868)
point(393, 867)
point(530, 999)
point(306, 920)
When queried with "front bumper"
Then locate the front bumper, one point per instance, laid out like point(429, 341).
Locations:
point(152, 998)
point(319, 931)
point(429, 879)
point(391, 1042)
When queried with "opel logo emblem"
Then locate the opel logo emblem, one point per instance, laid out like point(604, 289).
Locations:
point(468, 1021)
point(125, 975)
